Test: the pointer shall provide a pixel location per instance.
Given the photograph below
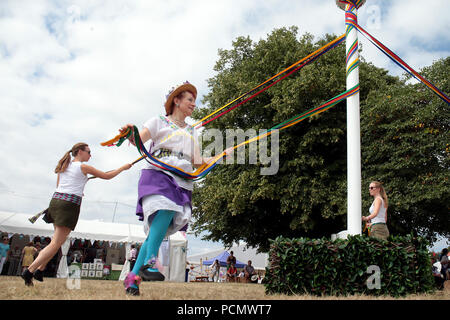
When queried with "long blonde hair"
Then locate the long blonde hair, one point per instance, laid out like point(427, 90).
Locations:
point(382, 191)
point(65, 160)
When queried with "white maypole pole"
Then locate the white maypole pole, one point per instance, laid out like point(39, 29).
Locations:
point(353, 119)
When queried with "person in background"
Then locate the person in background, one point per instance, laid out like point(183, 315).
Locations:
point(231, 259)
point(249, 271)
point(377, 218)
point(216, 270)
point(133, 256)
point(28, 255)
point(444, 260)
point(14, 261)
point(38, 249)
point(4, 248)
point(240, 277)
point(436, 268)
point(70, 257)
point(231, 273)
point(186, 275)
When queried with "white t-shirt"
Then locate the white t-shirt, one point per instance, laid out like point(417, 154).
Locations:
point(381, 216)
point(72, 180)
point(167, 135)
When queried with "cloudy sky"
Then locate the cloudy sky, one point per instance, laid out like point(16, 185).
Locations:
point(74, 71)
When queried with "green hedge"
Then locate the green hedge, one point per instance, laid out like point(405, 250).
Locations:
point(340, 267)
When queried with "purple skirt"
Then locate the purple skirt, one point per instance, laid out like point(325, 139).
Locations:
point(154, 182)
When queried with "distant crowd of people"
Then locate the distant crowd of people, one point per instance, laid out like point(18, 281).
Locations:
point(247, 275)
point(13, 260)
point(441, 268)
point(85, 252)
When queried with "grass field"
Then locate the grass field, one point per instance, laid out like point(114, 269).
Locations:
point(13, 288)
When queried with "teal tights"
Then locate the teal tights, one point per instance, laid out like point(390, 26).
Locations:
point(150, 247)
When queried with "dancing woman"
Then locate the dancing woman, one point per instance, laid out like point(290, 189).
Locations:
point(64, 208)
point(164, 199)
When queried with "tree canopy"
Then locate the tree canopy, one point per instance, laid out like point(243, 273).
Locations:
point(404, 131)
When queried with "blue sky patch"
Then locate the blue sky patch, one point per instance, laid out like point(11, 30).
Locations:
point(4, 53)
point(51, 23)
point(38, 119)
point(430, 45)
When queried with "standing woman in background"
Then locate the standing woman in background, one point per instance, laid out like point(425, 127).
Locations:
point(378, 212)
point(64, 208)
point(4, 252)
point(28, 255)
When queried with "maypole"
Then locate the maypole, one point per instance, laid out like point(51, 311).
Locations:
point(353, 120)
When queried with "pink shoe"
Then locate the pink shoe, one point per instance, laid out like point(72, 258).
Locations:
point(131, 284)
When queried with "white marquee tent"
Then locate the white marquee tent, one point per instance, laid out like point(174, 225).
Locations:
point(174, 255)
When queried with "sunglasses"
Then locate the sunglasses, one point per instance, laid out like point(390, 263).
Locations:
point(371, 188)
point(87, 151)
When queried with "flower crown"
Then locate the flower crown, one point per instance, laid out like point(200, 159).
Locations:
point(173, 89)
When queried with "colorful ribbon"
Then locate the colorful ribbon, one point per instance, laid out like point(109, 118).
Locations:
point(350, 20)
point(270, 82)
point(397, 60)
point(356, 3)
point(203, 170)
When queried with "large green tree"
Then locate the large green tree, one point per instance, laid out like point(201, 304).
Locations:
point(307, 196)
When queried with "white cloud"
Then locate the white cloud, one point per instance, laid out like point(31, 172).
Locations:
point(75, 71)
point(417, 34)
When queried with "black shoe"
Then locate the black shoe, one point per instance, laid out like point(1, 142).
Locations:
point(150, 276)
point(38, 275)
point(132, 291)
point(28, 277)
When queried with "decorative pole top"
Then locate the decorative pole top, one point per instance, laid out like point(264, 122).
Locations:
point(342, 3)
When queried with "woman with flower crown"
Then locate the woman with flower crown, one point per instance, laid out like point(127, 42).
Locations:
point(164, 199)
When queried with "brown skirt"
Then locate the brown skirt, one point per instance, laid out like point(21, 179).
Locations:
point(62, 213)
point(379, 231)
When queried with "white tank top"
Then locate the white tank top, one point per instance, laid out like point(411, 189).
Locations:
point(72, 180)
point(381, 216)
